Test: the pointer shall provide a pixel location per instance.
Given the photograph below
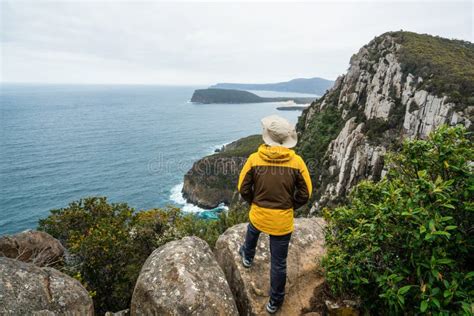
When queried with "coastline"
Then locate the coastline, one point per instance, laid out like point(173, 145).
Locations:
point(177, 198)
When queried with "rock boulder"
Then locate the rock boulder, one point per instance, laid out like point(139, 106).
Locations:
point(251, 286)
point(26, 289)
point(36, 247)
point(182, 277)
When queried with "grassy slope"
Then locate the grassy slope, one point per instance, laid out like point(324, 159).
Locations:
point(242, 147)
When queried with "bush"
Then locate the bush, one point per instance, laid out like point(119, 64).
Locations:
point(325, 125)
point(405, 245)
point(109, 242)
point(210, 230)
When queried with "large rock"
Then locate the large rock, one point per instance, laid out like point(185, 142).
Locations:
point(36, 247)
point(182, 278)
point(26, 289)
point(251, 286)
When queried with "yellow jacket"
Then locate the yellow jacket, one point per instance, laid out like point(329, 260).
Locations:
point(275, 181)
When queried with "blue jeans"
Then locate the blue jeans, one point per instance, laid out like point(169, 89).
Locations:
point(279, 253)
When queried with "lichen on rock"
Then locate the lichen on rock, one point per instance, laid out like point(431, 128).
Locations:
point(26, 289)
point(182, 277)
point(32, 246)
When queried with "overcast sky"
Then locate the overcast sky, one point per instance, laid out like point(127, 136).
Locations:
point(204, 43)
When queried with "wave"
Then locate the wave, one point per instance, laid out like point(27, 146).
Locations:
point(176, 196)
point(214, 147)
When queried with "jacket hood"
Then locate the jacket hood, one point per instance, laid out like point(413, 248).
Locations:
point(275, 153)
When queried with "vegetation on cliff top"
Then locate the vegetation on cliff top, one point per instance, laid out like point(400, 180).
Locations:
point(405, 245)
point(110, 242)
point(242, 147)
point(446, 66)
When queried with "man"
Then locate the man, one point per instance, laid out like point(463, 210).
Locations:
point(274, 181)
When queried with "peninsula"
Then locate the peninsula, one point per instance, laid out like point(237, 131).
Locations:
point(208, 96)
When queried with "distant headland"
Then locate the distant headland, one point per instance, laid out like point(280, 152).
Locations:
point(314, 85)
point(207, 96)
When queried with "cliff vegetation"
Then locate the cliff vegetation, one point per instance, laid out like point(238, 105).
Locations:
point(447, 65)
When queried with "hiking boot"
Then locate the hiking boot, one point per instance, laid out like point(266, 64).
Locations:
point(245, 262)
point(272, 306)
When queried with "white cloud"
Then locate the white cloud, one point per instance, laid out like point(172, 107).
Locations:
point(202, 43)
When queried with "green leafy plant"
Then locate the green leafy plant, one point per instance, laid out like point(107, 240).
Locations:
point(405, 245)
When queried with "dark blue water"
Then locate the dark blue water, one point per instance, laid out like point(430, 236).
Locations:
point(133, 144)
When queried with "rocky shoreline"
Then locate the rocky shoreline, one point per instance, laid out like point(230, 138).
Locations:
point(212, 180)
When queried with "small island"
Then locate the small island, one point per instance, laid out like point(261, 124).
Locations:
point(209, 96)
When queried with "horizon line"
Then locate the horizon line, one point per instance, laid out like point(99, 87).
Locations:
point(153, 83)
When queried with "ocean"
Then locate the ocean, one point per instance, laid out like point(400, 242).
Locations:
point(130, 143)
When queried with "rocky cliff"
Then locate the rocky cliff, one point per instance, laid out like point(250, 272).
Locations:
point(213, 179)
point(399, 85)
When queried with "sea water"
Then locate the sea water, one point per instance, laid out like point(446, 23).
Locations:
point(130, 143)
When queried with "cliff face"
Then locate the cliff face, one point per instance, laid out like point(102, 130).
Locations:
point(379, 101)
point(213, 179)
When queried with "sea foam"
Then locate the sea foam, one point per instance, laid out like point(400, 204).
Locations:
point(177, 197)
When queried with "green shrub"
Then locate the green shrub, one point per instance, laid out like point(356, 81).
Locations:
point(209, 230)
point(242, 147)
point(314, 140)
point(405, 245)
point(110, 242)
